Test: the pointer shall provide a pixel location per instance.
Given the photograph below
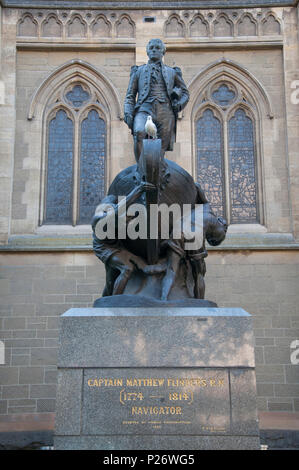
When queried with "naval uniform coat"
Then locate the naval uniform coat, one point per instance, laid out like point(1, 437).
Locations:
point(139, 83)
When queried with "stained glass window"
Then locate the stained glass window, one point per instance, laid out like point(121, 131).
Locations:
point(223, 96)
point(210, 159)
point(77, 96)
point(92, 165)
point(242, 169)
point(59, 170)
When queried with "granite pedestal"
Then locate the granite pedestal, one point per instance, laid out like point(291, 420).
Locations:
point(156, 379)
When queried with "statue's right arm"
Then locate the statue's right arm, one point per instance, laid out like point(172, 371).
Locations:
point(112, 206)
point(104, 210)
point(115, 207)
point(130, 99)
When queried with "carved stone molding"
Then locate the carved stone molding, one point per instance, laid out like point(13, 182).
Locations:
point(222, 24)
point(271, 25)
point(90, 24)
point(74, 25)
point(101, 27)
point(27, 26)
point(247, 25)
point(125, 27)
point(175, 27)
point(51, 26)
point(198, 27)
point(142, 4)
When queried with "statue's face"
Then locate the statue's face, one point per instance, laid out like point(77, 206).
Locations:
point(155, 50)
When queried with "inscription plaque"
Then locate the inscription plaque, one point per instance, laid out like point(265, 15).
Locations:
point(155, 401)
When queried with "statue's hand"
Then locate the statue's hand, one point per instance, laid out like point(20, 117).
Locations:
point(94, 221)
point(147, 187)
point(128, 118)
point(177, 107)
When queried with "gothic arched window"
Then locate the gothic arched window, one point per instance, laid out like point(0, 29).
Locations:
point(75, 156)
point(226, 153)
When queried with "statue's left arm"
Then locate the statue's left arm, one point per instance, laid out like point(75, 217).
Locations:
point(179, 83)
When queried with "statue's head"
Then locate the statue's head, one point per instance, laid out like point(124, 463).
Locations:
point(217, 230)
point(155, 49)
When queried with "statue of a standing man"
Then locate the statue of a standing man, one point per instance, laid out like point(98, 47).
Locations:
point(162, 93)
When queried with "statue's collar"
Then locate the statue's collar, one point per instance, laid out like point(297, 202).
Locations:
point(152, 62)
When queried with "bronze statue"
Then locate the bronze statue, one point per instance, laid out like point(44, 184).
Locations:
point(162, 93)
point(166, 269)
point(119, 262)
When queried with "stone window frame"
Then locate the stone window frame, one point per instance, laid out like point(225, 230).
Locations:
point(77, 115)
point(108, 104)
point(257, 103)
